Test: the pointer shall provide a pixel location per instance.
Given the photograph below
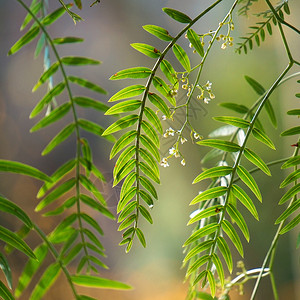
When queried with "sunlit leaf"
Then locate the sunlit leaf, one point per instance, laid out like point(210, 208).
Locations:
point(256, 160)
point(197, 264)
point(290, 178)
point(141, 237)
point(159, 103)
point(211, 193)
point(177, 15)
point(145, 214)
point(20, 168)
point(213, 172)
point(290, 225)
point(150, 146)
point(128, 92)
point(195, 41)
point(159, 32)
point(54, 116)
point(239, 108)
point(245, 199)
point(291, 131)
point(87, 84)
point(154, 120)
point(289, 211)
point(212, 282)
point(90, 103)
point(4, 265)
point(67, 40)
point(122, 123)
point(122, 142)
point(146, 49)
point(262, 137)
point(164, 89)
point(45, 76)
point(291, 162)
point(78, 61)
point(148, 172)
point(125, 171)
point(199, 248)
point(204, 231)
point(206, 213)
point(127, 222)
point(24, 40)
point(220, 144)
point(97, 282)
point(124, 106)
point(148, 186)
point(224, 249)
point(137, 72)
point(231, 233)
point(5, 294)
point(52, 17)
point(290, 193)
point(238, 122)
point(182, 57)
point(150, 132)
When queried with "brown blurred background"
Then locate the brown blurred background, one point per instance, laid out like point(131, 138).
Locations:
point(108, 30)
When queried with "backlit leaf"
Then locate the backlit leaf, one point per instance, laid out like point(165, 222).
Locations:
point(46, 75)
point(220, 144)
point(67, 40)
point(177, 15)
point(256, 160)
point(159, 103)
point(150, 132)
point(137, 72)
point(154, 120)
point(122, 142)
point(224, 249)
point(145, 214)
point(87, 84)
point(291, 131)
point(128, 92)
point(290, 193)
point(141, 237)
point(291, 162)
point(122, 123)
point(124, 106)
point(262, 137)
point(148, 172)
point(195, 41)
point(295, 206)
point(204, 231)
point(211, 193)
point(79, 61)
point(182, 57)
point(290, 178)
point(290, 225)
point(150, 146)
point(90, 103)
point(164, 89)
point(213, 172)
point(206, 213)
point(237, 122)
point(146, 49)
point(159, 32)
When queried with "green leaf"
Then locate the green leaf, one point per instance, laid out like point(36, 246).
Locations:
point(4, 265)
point(46, 281)
point(122, 123)
point(47, 99)
point(146, 197)
point(206, 213)
point(125, 171)
point(182, 57)
point(52, 17)
point(270, 111)
point(220, 144)
point(150, 132)
point(199, 248)
point(149, 172)
point(237, 122)
point(90, 103)
point(290, 178)
point(256, 160)
point(245, 200)
point(13, 240)
point(122, 142)
point(67, 40)
point(24, 40)
point(159, 103)
point(127, 210)
point(154, 120)
point(150, 146)
point(213, 172)
point(16, 167)
point(291, 131)
point(290, 225)
point(148, 158)
point(138, 72)
point(290, 193)
point(291, 162)
point(94, 128)
point(258, 88)
point(56, 176)
point(96, 206)
point(92, 238)
point(127, 184)
point(222, 131)
point(195, 41)
point(46, 75)
point(211, 193)
point(59, 138)
point(262, 137)
point(127, 222)
point(164, 89)
point(177, 15)
point(224, 249)
point(5, 294)
point(148, 186)
point(10, 207)
point(79, 61)
point(204, 231)
point(289, 210)
point(237, 217)
point(128, 195)
point(170, 73)
point(124, 106)
point(294, 112)
point(34, 8)
point(87, 84)
point(141, 237)
point(88, 219)
point(90, 186)
point(54, 116)
point(146, 49)
point(246, 177)
point(31, 268)
point(159, 32)
point(197, 264)
point(231, 233)
point(145, 214)
point(56, 193)
point(128, 92)
point(211, 155)
point(123, 159)
point(97, 282)
point(212, 282)
point(239, 108)
point(199, 277)
point(40, 45)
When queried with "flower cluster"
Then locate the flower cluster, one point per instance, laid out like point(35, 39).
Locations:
point(226, 39)
point(205, 92)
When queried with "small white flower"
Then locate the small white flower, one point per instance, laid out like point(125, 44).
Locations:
point(224, 45)
point(177, 154)
point(212, 96)
point(163, 117)
point(172, 151)
point(208, 85)
point(168, 132)
point(206, 100)
point(196, 136)
point(183, 140)
point(164, 163)
point(183, 162)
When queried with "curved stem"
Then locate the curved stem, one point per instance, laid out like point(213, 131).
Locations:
point(78, 144)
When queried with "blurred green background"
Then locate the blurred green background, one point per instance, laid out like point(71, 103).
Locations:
point(108, 30)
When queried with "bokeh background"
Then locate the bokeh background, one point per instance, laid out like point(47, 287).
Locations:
point(108, 30)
